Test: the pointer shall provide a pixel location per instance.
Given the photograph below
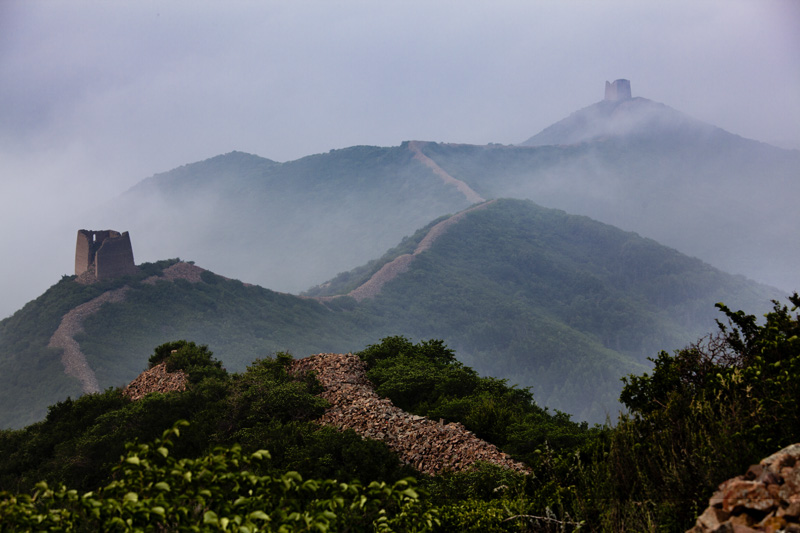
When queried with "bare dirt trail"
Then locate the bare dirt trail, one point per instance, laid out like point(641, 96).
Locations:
point(463, 188)
point(372, 287)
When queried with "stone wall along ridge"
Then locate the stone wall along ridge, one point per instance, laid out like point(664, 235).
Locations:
point(429, 446)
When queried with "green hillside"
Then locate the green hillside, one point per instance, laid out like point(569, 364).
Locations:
point(703, 191)
point(241, 322)
point(32, 374)
point(636, 164)
point(558, 302)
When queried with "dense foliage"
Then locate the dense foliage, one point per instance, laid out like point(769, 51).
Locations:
point(701, 416)
point(151, 490)
point(80, 440)
point(428, 380)
point(707, 412)
point(196, 361)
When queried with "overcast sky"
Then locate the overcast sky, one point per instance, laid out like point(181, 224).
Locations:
point(95, 96)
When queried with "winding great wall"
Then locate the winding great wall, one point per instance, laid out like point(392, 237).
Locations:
point(471, 196)
point(766, 498)
point(372, 287)
point(73, 360)
point(430, 447)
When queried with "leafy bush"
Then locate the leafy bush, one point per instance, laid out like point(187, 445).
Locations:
point(702, 416)
point(80, 439)
point(197, 361)
point(426, 379)
point(220, 491)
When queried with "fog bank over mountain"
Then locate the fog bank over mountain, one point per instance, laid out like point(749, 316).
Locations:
point(98, 96)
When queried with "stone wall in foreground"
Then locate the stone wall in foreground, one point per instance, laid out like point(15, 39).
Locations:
point(429, 446)
point(766, 498)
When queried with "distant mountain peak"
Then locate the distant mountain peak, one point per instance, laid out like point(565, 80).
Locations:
point(619, 114)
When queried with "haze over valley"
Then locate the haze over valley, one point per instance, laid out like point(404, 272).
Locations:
point(96, 99)
point(318, 222)
point(408, 266)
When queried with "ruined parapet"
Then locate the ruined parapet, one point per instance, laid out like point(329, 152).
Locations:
point(619, 90)
point(107, 253)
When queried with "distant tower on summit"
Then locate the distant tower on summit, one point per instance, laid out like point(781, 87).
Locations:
point(619, 90)
point(106, 253)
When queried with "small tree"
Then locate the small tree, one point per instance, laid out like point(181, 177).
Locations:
point(707, 412)
point(197, 361)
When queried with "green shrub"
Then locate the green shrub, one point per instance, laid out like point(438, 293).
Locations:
point(152, 490)
point(197, 361)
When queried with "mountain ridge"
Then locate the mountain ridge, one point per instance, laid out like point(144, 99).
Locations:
point(400, 264)
point(633, 163)
point(559, 302)
point(620, 118)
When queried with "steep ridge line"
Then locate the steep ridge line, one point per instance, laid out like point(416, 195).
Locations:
point(372, 287)
point(430, 447)
point(463, 188)
point(72, 358)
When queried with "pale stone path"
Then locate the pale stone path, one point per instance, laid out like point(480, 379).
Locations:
point(372, 287)
point(429, 446)
point(72, 357)
point(462, 187)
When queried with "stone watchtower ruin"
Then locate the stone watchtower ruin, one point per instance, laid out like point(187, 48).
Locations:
point(619, 90)
point(105, 254)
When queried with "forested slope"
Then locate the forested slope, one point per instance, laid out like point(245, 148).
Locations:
point(557, 302)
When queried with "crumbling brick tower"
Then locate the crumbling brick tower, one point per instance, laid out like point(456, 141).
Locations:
point(107, 253)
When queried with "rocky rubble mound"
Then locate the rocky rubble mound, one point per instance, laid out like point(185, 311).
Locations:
point(156, 379)
point(431, 447)
point(180, 270)
point(766, 498)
